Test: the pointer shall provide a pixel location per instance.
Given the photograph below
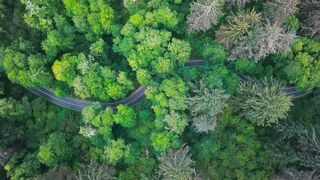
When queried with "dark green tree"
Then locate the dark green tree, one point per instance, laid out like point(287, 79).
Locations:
point(233, 151)
point(56, 150)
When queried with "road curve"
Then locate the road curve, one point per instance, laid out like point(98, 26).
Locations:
point(132, 100)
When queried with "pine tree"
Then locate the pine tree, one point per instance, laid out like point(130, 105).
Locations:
point(205, 106)
point(263, 103)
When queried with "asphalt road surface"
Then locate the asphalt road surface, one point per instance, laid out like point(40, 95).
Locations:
point(135, 98)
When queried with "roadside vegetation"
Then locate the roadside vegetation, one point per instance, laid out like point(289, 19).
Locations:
point(203, 122)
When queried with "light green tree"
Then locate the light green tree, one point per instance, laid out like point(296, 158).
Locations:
point(303, 67)
point(55, 151)
point(125, 116)
point(116, 151)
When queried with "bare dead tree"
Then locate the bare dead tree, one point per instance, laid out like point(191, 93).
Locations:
point(280, 10)
point(177, 165)
point(294, 174)
point(239, 2)
point(204, 14)
point(274, 39)
point(263, 41)
point(57, 173)
point(95, 171)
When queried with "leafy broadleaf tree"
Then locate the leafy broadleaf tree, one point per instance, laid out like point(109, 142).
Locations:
point(176, 122)
point(89, 79)
point(23, 166)
point(12, 27)
point(115, 151)
point(92, 17)
point(125, 116)
point(263, 103)
point(156, 52)
point(98, 125)
point(25, 67)
point(234, 150)
point(13, 109)
point(303, 64)
point(55, 151)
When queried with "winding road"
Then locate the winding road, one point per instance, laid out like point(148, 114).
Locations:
point(135, 98)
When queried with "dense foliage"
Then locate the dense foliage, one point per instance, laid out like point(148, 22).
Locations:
point(263, 103)
point(249, 110)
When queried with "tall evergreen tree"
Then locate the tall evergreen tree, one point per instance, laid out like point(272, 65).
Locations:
point(263, 103)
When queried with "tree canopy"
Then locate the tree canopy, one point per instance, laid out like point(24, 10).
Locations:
point(167, 89)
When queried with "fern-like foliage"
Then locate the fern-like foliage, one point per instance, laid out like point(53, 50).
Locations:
point(307, 141)
point(204, 123)
point(205, 106)
point(206, 100)
point(263, 103)
point(274, 39)
point(204, 14)
point(263, 41)
point(247, 45)
point(177, 165)
point(238, 26)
